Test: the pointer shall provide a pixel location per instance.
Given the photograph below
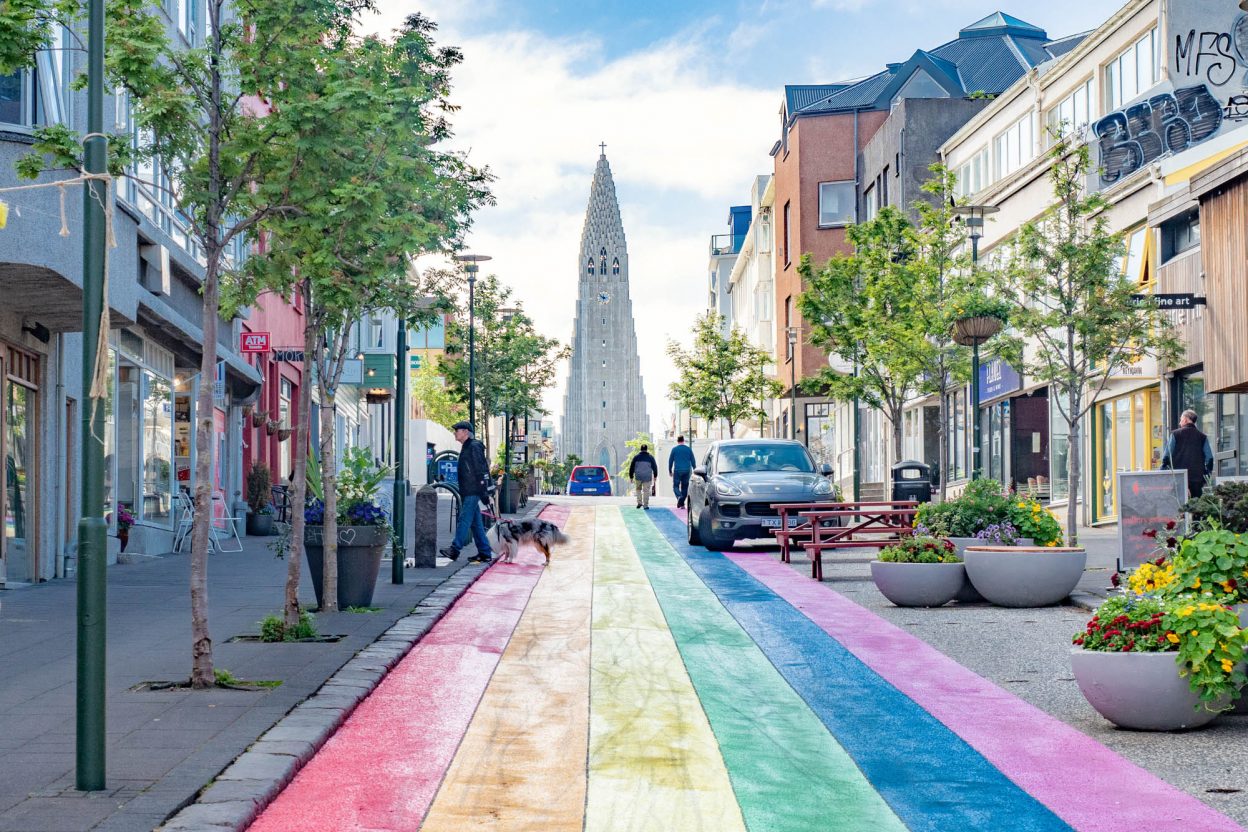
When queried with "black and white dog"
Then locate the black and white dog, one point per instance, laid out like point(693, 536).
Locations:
point(510, 535)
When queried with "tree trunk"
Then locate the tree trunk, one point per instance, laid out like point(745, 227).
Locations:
point(299, 485)
point(732, 429)
point(898, 442)
point(202, 675)
point(329, 487)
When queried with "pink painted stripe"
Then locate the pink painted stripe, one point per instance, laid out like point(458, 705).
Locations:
point(381, 770)
point(1086, 784)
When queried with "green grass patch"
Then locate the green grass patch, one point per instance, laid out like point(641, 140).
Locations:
point(362, 609)
point(273, 628)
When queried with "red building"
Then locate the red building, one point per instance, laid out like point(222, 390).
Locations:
point(272, 440)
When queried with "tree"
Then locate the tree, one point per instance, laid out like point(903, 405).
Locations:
point(1072, 306)
point(514, 363)
point(371, 193)
point(940, 242)
point(871, 308)
point(722, 376)
point(196, 112)
point(634, 448)
point(436, 401)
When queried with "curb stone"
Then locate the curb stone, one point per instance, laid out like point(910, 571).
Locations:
point(237, 796)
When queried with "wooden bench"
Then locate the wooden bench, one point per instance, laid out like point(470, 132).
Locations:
point(875, 524)
point(800, 532)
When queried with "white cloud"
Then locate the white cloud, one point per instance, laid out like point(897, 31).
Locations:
point(683, 145)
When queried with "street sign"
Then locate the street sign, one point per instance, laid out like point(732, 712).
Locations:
point(218, 385)
point(253, 342)
point(1173, 300)
point(289, 354)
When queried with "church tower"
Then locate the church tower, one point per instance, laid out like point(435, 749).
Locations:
point(605, 404)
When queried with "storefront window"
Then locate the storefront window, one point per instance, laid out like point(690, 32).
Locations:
point(110, 439)
point(1128, 437)
point(157, 450)
point(285, 394)
point(958, 436)
point(19, 467)
point(1059, 454)
point(821, 432)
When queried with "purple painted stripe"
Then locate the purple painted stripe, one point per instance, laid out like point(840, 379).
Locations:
point(1086, 784)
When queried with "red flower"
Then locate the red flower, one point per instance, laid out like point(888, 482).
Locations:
point(1114, 580)
point(1232, 583)
point(1171, 525)
point(1150, 533)
point(1129, 645)
point(1171, 542)
point(1160, 562)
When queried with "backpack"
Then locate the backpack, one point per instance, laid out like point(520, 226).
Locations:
point(643, 471)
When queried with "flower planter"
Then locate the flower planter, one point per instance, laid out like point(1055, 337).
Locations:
point(1240, 707)
point(968, 594)
point(1143, 691)
point(360, 550)
point(1024, 576)
point(258, 418)
point(918, 584)
point(259, 525)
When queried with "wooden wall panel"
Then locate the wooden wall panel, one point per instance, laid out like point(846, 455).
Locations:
point(1224, 248)
point(1181, 275)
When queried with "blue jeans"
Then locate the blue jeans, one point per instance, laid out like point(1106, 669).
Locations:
point(470, 522)
point(680, 485)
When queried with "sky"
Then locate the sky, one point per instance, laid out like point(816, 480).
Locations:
point(686, 94)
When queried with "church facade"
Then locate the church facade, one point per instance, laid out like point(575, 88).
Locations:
point(604, 405)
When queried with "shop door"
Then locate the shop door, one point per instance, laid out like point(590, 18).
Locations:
point(1029, 446)
point(18, 425)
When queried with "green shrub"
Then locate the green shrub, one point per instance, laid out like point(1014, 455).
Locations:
point(273, 628)
point(918, 548)
point(1225, 504)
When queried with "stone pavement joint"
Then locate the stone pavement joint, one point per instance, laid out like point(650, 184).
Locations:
point(262, 771)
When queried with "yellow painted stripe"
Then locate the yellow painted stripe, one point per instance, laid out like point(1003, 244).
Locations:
point(654, 764)
point(521, 766)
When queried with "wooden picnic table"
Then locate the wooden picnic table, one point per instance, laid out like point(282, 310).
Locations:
point(801, 531)
point(878, 524)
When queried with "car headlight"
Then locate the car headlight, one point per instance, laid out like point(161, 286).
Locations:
point(823, 487)
point(726, 489)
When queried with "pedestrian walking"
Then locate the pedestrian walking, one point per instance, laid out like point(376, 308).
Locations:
point(1188, 449)
point(680, 465)
point(643, 471)
point(475, 485)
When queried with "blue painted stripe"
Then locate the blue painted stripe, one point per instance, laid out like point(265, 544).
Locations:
point(930, 777)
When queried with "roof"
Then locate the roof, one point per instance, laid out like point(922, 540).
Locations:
point(987, 57)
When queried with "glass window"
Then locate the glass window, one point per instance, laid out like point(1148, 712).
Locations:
point(110, 438)
point(836, 203)
point(376, 333)
point(1013, 148)
point(20, 475)
point(157, 450)
point(1072, 115)
point(17, 105)
point(871, 204)
point(744, 458)
point(286, 394)
point(1133, 263)
point(1179, 235)
point(1059, 453)
point(129, 439)
point(973, 176)
point(1133, 71)
point(1105, 466)
point(821, 432)
point(788, 235)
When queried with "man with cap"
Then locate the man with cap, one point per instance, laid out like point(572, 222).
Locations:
point(475, 485)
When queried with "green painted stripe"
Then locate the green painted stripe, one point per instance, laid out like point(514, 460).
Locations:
point(788, 772)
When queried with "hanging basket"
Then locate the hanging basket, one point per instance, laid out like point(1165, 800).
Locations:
point(970, 332)
point(283, 434)
point(247, 411)
point(258, 418)
point(272, 427)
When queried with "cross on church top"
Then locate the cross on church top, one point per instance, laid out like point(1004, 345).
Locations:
point(603, 147)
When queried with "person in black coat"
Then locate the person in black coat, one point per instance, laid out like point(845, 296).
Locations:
point(643, 471)
point(475, 485)
point(1188, 449)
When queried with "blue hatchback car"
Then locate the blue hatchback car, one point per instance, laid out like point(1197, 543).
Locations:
point(589, 479)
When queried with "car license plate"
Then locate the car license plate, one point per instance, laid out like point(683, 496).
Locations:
point(774, 522)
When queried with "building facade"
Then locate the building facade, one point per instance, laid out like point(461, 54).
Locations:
point(605, 403)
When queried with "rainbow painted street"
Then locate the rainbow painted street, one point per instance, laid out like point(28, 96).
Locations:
point(639, 683)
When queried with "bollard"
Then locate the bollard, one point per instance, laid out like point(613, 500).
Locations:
point(425, 536)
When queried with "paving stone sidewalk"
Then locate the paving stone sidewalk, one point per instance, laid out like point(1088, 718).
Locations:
point(165, 746)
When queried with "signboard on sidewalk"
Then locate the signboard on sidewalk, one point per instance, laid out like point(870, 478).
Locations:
point(253, 342)
point(1148, 500)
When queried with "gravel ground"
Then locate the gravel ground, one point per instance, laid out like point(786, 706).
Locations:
point(1028, 653)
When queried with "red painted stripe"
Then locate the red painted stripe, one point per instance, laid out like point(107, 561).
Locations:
point(1086, 784)
point(381, 770)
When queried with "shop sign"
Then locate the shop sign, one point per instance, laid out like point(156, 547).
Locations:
point(218, 385)
point(1173, 300)
point(1147, 500)
point(253, 342)
point(996, 378)
point(291, 355)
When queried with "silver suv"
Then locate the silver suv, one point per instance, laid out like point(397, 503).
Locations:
point(731, 494)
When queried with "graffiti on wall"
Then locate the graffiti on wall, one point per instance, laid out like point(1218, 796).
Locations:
point(1166, 123)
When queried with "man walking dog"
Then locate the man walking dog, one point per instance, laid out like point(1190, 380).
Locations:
point(643, 471)
point(475, 485)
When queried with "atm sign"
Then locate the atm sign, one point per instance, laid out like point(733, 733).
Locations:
point(254, 342)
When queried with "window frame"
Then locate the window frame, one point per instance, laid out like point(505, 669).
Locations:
point(1026, 149)
point(1116, 96)
point(853, 210)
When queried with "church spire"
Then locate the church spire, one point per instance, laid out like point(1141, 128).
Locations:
point(602, 237)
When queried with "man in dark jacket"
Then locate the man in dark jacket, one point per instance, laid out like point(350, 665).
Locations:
point(680, 465)
point(475, 485)
point(1188, 449)
point(643, 471)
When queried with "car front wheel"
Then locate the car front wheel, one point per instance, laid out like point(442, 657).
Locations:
point(710, 541)
point(695, 539)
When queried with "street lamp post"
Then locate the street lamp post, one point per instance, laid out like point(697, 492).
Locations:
point(792, 332)
point(471, 266)
point(971, 332)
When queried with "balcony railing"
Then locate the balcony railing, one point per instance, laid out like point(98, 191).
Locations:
point(721, 244)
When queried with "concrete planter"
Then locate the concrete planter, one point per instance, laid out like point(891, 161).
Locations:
point(1024, 576)
point(1240, 708)
point(968, 594)
point(360, 549)
point(1143, 691)
point(918, 584)
point(259, 525)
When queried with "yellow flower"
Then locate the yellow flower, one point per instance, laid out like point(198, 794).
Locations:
point(1186, 611)
point(1195, 632)
point(1196, 585)
point(1051, 543)
point(1227, 667)
point(1173, 639)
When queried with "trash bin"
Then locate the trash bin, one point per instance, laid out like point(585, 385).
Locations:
point(912, 480)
